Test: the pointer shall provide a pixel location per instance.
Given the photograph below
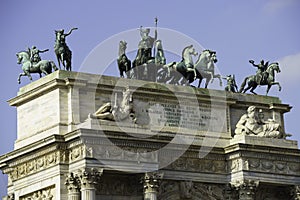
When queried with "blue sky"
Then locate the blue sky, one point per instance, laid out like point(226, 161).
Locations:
point(236, 30)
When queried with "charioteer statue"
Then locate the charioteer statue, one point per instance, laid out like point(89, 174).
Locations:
point(144, 63)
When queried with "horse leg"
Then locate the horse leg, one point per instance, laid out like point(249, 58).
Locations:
point(207, 81)
point(253, 88)
point(68, 64)
point(19, 79)
point(63, 61)
point(58, 60)
point(200, 80)
point(268, 88)
point(219, 77)
point(277, 83)
point(211, 76)
point(243, 85)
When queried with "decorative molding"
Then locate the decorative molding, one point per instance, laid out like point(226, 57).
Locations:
point(119, 185)
point(43, 194)
point(37, 164)
point(199, 165)
point(188, 190)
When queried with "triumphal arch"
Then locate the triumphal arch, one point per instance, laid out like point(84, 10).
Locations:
point(86, 136)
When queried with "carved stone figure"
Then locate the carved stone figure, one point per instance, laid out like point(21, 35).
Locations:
point(205, 67)
point(62, 51)
point(265, 75)
point(116, 112)
point(124, 63)
point(252, 123)
point(231, 84)
point(43, 66)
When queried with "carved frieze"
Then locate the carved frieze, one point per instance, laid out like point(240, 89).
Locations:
point(189, 190)
point(272, 166)
point(43, 194)
point(121, 185)
point(199, 165)
point(36, 164)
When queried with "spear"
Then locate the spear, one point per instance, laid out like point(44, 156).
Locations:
point(155, 21)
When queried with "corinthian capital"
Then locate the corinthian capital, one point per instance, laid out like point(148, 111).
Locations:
point(72, 182)
point(89, 177)
point(151, 181)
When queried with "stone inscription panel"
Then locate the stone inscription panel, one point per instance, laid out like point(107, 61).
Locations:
point(204, 117)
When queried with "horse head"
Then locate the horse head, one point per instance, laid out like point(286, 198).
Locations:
point(22, 56)
point(273, 67)
point(206, 60)
point(211, 55)
point(122, 47)
point(187, 54)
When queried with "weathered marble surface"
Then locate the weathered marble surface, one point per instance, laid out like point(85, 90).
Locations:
point(56, 138)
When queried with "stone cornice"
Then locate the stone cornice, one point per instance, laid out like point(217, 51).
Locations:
point(52, 143)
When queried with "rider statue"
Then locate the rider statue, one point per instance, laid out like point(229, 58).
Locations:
point(261, 68)
point(231, 84)
point(35, 54)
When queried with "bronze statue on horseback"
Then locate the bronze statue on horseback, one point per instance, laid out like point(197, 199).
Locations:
point(265, 75)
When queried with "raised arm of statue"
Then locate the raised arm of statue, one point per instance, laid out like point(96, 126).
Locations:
point(42, 51)
point(70, 31)
point(252, 62)
point(141, 31)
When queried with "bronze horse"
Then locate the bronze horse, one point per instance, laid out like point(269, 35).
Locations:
point(61, 49)
point(268, 79)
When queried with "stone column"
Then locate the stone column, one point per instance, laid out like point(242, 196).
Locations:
point(151, 182)
point(89, 179)
point(246, 189)
point(73, 186)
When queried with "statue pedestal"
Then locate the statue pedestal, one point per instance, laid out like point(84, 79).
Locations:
point(262, 141)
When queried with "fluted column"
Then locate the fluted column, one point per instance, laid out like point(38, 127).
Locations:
point(89, 179)
point(246, 189)
point(151, 182)
point(73, 186)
